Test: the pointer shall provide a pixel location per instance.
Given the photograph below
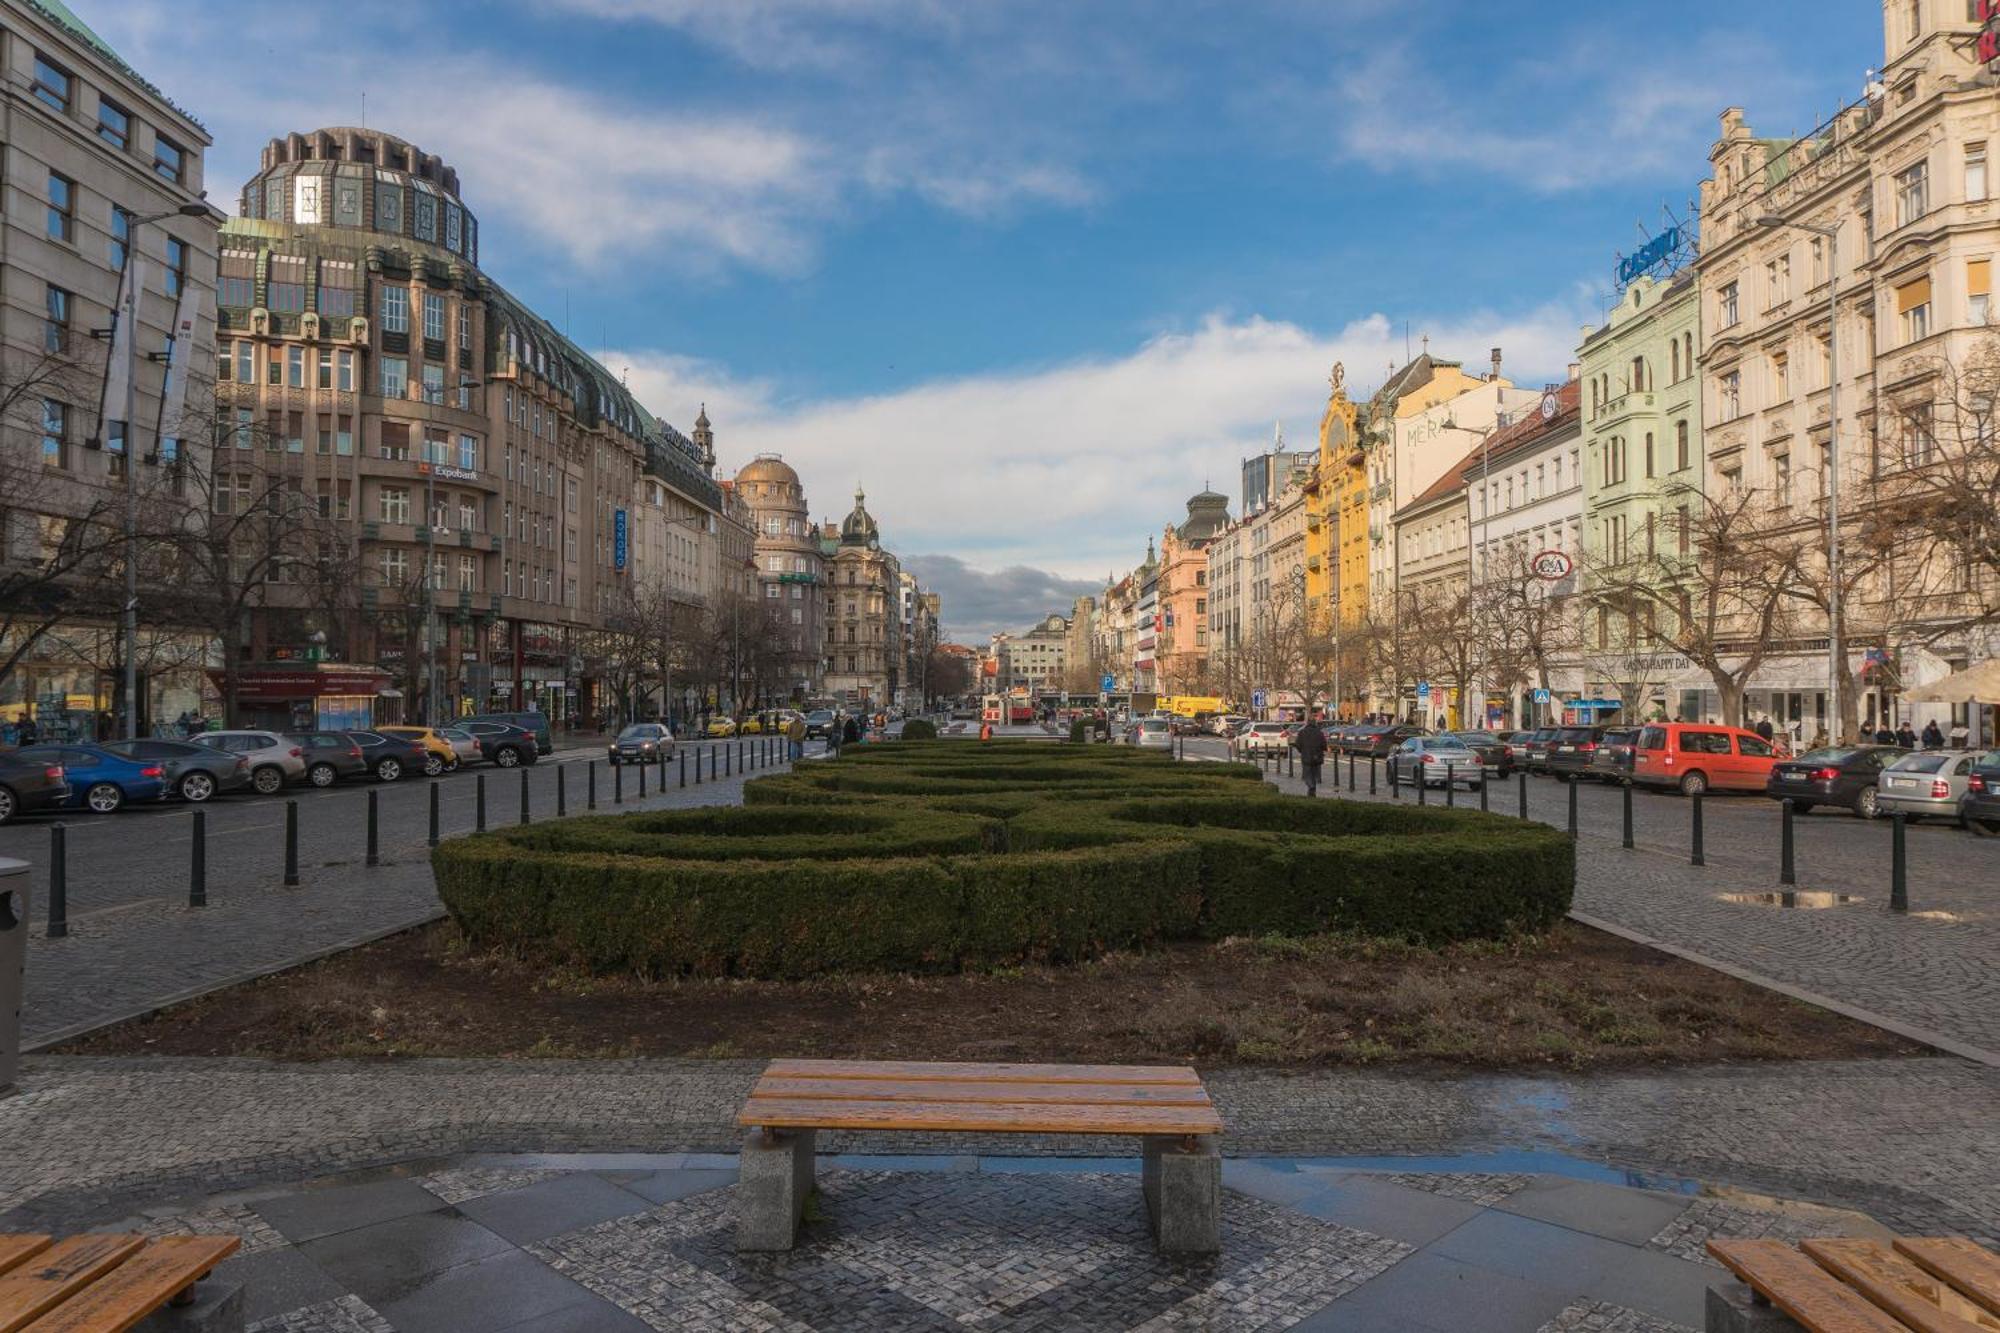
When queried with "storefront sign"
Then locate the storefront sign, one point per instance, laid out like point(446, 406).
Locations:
point(618, 538)
point(1551, 566)
point(281, 684)
point(1662, 255)
point(447, 473)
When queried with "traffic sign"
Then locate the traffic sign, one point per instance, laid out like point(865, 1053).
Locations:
point(1256, 698)
point(1423, 689)
point(1541, 696)
point(1108, 684)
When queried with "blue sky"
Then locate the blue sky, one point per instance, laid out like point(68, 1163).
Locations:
point(1029, 270)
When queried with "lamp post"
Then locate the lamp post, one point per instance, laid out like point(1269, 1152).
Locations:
point(1836, 650)
point(127, 274)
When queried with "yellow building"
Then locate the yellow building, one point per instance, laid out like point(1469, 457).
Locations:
point(1337, 570)
point(1321, 517)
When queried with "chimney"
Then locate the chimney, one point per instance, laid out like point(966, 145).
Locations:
point(1575, 371)
point(1496, 363)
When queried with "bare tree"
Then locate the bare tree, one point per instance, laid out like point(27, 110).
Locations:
point(1533, 625)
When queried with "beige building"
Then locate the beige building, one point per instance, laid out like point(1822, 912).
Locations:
point(864, 627)
point(1901, 178)
point(1183, 594)
point(791, 568)
point(93, 156)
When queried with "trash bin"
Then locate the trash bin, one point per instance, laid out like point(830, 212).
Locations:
point(13, 965)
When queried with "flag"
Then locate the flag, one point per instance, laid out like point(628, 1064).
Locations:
point(119, 366)
point(174, 391)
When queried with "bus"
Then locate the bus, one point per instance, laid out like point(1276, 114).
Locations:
point(998, 709)
point(993, 709)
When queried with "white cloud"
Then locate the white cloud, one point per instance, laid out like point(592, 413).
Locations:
point(1069, 468)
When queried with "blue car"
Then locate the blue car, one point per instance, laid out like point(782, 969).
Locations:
point(99, 780)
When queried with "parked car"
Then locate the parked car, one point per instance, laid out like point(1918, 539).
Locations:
point(719, 728)
point(1534, 748)
point(463, 744)
point(1836, 775)
point(330, 756)
point(1152, 733)
point(390, 758)
point(1378, 741)
point(1569, 751)
point(502, 743)
point(195, 773)
point(1929, 782)
point(439, 754)
point(1261, 736)
point(642, 743)
point(1981, 807)
point(1490, 749)
point(99, 780)
point(1435, 761)
point(1694, 758)
point(1612, 761)
point(274, 760)
point(535, 724)
point(1225, 724)
point(30, 784)
point(821, 723)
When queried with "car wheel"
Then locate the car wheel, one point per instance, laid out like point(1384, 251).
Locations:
point(267, 780)
point(1801, 807)
point(433, 765)
point(322, 775)
point(7, 805)
point(197, 787)
point(507, 756)
point(452, 767)
point(104, 797)
point(1694, 784)
point(1985, 828)
point(1867, 804)
point(388, 770)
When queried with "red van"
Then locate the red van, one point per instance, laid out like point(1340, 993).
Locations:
point(1696, 758)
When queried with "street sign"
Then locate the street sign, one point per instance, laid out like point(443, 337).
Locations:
point(1542, 696)
point(1256, 698)
point(1108, 684)
point(1423, 689)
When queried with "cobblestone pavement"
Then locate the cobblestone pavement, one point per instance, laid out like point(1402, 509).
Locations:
point(140, 952)
point(1935, 970)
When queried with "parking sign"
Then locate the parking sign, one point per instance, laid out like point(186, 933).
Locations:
point(1256, 698)
point(1108, 684)
point(1423, 689)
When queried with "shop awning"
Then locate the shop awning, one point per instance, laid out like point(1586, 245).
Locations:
point(1977, 684)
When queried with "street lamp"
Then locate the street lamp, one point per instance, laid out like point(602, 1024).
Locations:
point(125, 275)
point(1836, 651)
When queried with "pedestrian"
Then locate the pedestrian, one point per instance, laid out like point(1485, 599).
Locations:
point(1310, 742)
point(1884, 736)
point(1764, 727)
point(1905, 737)
point(1819, 741)
point(26, 733)
point(795, 731)
point(1933, 738)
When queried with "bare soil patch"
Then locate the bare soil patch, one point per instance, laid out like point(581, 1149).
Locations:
point(1574, 999)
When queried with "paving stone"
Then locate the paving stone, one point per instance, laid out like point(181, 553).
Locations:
point(1601, 1317)
point(908, 1251)
point(475, 1182)
point(1481, 1187)
point(666, 1186)
point(1611, 1211)
point(1687, 1236)
point(510, 1290)
point(390, 1259)
point(236, 1219)
point(1387, 1209)
point(550, 1207)
point(278, 1280)
point(1438, 1294)
point(311, 1214)
point(345, 1314)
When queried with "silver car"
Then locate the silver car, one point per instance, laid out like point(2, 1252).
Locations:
point(642, 743)
point(462, 744)
point(274, 760)
point(1152, 733)
point(1435, 761)
point(1928, 782)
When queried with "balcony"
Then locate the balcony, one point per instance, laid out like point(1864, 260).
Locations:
point(1628, 404)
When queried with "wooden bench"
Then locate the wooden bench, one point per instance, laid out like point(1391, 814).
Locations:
point(107, 1284)
point(1946, 1285)
point(1166, 1108)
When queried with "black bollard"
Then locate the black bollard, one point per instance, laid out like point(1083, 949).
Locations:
point(642, 782)
point(58, 882)
point(479, 804)
point(1350, 770)
point(1371, 775)
point(1449, 797)
point(618, 784)
point(725, 763)
point(524, 796)
point(1423, 785)
point(1786, 874)
point(1695, 856)
point(434, 814)
point(1523, 810)
point(1482, 789)
point(1628, 816)
point(684, 768)
point(291, 844)
point(373, 857)
point(562, 795)
point(1572, 805)
point(590, 787)
point(1899, 883)
point(198, 865)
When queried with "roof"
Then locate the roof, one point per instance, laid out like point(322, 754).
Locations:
point(765, 467)
point(1532, 426)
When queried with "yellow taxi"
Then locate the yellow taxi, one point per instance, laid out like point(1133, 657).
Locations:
point(751, 726)
point(720, 726)
point(440, 755)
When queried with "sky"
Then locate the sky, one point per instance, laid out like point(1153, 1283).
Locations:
point(1031, 272)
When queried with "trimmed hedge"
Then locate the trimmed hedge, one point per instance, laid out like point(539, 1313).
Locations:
point(937, 856)
point(920, 729)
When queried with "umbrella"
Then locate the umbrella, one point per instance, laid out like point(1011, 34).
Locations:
point(1977, 684)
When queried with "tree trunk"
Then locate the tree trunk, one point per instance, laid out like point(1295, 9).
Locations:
point(1729, 686)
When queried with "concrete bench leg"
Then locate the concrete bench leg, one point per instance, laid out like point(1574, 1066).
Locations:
point(1734, 1308)
point(217, 1307)
point(1184, 1194)
point(771, 1188)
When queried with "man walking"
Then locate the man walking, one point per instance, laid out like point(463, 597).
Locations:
point(1764, 727)
point(1311, 745)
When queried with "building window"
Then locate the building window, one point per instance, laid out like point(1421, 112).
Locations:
point(114, 125)
point(465, 390)
point(169, 160)
point(55, 433)
point(437, 446)
point(468, 453)
point(62, 208)
point(433, 383)
point(324, 379)
point(285, 288)
point(1919, 434)
point(344, 370)
point(237, 280)
point(336, 288)
point(434, 316)
point(395, 310)
point(1781, 479)
point(395, 565)
point(395, 377)
point(295, 367)
point(1680, 446)
point(465, 330)
point(1727, 316)
point(1781, 377)
point(395, 501)
point(1913, 307)
point(343, 443)
point(468, 514)
point(1649, 453)
point(55, 329)
point(52, 84)
point(423, 213)
point(1975, 172)
point(1732, 394)
point(1778, 280)
point(1978, 288)
point(468, 573)
point(395, 443)
point(1913, 193)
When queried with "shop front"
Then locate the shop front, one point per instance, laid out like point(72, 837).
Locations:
point(311, 696)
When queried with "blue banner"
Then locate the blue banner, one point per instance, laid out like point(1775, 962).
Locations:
point(618, 543)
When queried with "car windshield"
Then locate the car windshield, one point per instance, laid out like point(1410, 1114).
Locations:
point(1921, 763)
point(1153, 724)
point(1832, 754)
point(640, 732)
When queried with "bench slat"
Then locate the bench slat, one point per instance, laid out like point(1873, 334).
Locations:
point(1971, 1269)
point(34, 1288)
point(959, 1072)
point(18, 1249)
point(809, 1113)
point(923, 1090)
point(139, 1286)
point(1801, 1288)
point(1899, 1286)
